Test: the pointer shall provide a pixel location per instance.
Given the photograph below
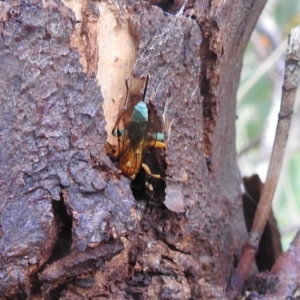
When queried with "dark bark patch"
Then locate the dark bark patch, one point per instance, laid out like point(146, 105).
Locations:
point(269, 247)
point(170, 6)
point(208, 83)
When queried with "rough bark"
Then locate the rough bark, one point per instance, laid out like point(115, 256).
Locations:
point(70, 224)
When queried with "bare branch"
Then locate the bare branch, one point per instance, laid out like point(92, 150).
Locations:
point(289, 89)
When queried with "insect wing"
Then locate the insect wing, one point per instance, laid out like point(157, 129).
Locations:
point(155, 126)
point(130, 148)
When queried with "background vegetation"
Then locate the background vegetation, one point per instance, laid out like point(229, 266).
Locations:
point(258, 104)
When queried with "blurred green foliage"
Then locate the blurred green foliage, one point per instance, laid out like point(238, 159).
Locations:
point(258, 106)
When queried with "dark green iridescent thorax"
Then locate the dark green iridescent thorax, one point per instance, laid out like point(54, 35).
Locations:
point(136, 132)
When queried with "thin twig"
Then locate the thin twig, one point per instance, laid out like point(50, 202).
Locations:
point(289, 88)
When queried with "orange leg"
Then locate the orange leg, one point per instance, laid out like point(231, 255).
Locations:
point(157, 144)
point(146, 168)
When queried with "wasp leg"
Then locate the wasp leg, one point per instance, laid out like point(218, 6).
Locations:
point(157, 144)
point(146, 168)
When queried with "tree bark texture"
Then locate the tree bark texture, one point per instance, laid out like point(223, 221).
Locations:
point(70, 225)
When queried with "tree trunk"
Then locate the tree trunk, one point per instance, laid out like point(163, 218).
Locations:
point(70, 223)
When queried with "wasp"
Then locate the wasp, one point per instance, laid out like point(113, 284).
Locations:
point(137, 133)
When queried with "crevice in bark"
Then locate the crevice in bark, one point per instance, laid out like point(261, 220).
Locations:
point(169, 6)
point(22, 295)
point(269, 249)
point(64, 223)
point(63, 244)
point(209, 79)
point(56, 293)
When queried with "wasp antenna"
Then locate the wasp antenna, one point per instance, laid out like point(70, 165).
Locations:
point(165, 118)
point(167, 123)
point(145, 89)
point(127, 93)
point(169, 129)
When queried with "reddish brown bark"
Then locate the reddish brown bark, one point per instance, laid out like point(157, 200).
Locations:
point(53, 136)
